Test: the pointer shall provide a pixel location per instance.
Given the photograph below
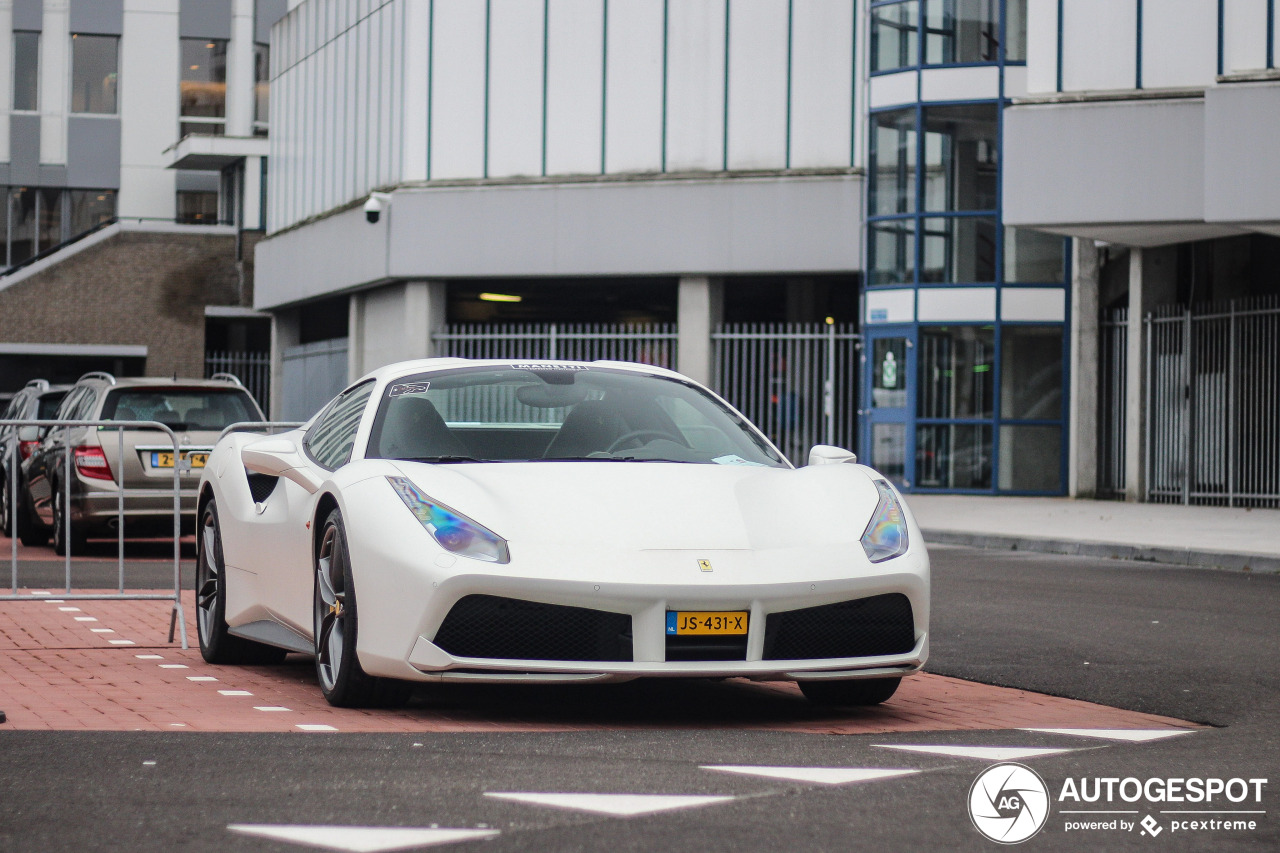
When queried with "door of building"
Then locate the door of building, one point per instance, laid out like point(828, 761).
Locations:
point(889, 360)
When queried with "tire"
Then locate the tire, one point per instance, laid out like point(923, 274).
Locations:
point(5, 512)
point(216, 644)
point(28, 534)
point(78, 539)
point(336, 617)
point(852, 692)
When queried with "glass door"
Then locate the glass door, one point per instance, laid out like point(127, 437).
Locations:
point(890, 361)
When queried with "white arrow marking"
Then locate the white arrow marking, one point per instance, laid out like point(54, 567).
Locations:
point(986, 753)
point(1137, 735)
point(361, 839)
point(820, 775)
point(618, 805)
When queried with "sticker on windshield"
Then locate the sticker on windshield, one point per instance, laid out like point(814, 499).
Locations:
point(533, 365)
point(408, 388)
point(733, 459)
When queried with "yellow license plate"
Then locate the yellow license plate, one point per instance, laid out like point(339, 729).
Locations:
point(165, 460)
point(686, 622)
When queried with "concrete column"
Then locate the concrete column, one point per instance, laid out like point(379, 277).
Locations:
point(240, 70)
point(1151, 282)
point(1082, 454)
point(55, 72)
point(285, 329)
point(393, 323)
point(251, 204)
point(699, 309)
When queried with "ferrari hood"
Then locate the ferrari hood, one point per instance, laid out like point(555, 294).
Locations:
point(655, 506)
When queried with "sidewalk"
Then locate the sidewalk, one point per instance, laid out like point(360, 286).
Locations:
point(1218, 537)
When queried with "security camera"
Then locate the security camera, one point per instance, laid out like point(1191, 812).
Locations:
point(377, 203)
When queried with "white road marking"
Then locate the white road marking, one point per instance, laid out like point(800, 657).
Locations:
point(819, 775)
point(986, 753)
point(173, 666)
point(40, 592)
point(618, 805)
point(235, 692)
point(121, 642)
point(103, 630)
point(69, 609)
point(1135, 735)
point(315, 727)
point(86, 618)
point(362, 839)
point(269, 708)
point(201, 678)
point(148, 764)
point(149, 657)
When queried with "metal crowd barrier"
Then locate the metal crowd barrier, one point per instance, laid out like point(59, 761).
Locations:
point(177, 619)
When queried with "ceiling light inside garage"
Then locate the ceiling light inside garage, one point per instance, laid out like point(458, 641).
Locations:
point(500, 297)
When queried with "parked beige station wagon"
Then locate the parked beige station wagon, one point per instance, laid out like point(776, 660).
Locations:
point(197, 410)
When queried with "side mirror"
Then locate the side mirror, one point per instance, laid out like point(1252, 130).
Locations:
point(826, 454)
point(279, 457)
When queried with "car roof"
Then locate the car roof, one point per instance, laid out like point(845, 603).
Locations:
point(160, 382)
point(408, 368)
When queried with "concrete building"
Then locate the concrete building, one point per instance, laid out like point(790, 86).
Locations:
point(967, 187)
point(132, 159)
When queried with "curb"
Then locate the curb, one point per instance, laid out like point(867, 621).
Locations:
point(1238, 562)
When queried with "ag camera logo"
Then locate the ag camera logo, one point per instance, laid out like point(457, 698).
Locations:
point(1008, 803)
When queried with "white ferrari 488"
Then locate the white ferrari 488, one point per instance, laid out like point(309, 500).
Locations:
point(453, 520)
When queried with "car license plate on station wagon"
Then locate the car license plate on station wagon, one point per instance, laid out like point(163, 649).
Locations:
point(165, 460)
point(686, 622)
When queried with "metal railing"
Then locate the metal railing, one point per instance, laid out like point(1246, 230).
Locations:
point(648, 343)
point(1212, 411)
point(796, 381)
point(177, 619)
point(253, 369)
point(1113, 356)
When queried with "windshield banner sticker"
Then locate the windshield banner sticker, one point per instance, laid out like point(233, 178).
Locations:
point(408, 388)
point(533, 365)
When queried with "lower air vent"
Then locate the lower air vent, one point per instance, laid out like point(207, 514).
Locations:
point(261, 486)
point(864, 627)
point(487, 626)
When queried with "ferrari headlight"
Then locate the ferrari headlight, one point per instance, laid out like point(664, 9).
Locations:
point(455, 532)
point(886, 534)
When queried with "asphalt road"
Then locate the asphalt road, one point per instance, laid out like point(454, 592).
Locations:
point(1200, 645)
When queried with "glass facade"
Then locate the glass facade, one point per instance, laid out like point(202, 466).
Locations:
point(34, 219)
point(976, 405)
point(261, 88)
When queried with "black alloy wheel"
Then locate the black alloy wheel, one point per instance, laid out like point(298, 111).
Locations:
point(77, 539)
point(343, 681)
point(217, 645)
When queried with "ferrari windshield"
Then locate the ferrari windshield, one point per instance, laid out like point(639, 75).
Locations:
point(559, 412)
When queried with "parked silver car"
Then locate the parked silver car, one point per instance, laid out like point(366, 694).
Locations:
point(197, 410)
point(38, 400)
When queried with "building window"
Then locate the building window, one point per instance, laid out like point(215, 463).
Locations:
point(1015, 31)
point(26, 71)
point(261, 88)
point(895, 35)
point(958, 250)
point(893, 162)
point(961, 31)
point(198, 208)
point(22, 224)
point(94, 73)
point(961, 157)
point(90, 208)
point(1034, 257)
point(892, 251)
point(203, 86)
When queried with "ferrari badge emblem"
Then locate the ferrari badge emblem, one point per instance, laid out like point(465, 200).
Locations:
point(705, 565)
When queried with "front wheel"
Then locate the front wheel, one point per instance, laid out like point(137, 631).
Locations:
point(217, 645)
point(343, 681)
point(856, 691)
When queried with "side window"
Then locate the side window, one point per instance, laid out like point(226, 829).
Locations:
point(330, 441)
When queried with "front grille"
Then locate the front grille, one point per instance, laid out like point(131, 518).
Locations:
point(261, 486)
point(488, 626)
point(879, 625)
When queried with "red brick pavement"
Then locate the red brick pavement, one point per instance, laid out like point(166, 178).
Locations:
point(59, 673)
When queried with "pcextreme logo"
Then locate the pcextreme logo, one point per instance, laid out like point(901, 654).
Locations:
point(1009, 803)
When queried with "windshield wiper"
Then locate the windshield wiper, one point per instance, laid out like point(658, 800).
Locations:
point(446, 458)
